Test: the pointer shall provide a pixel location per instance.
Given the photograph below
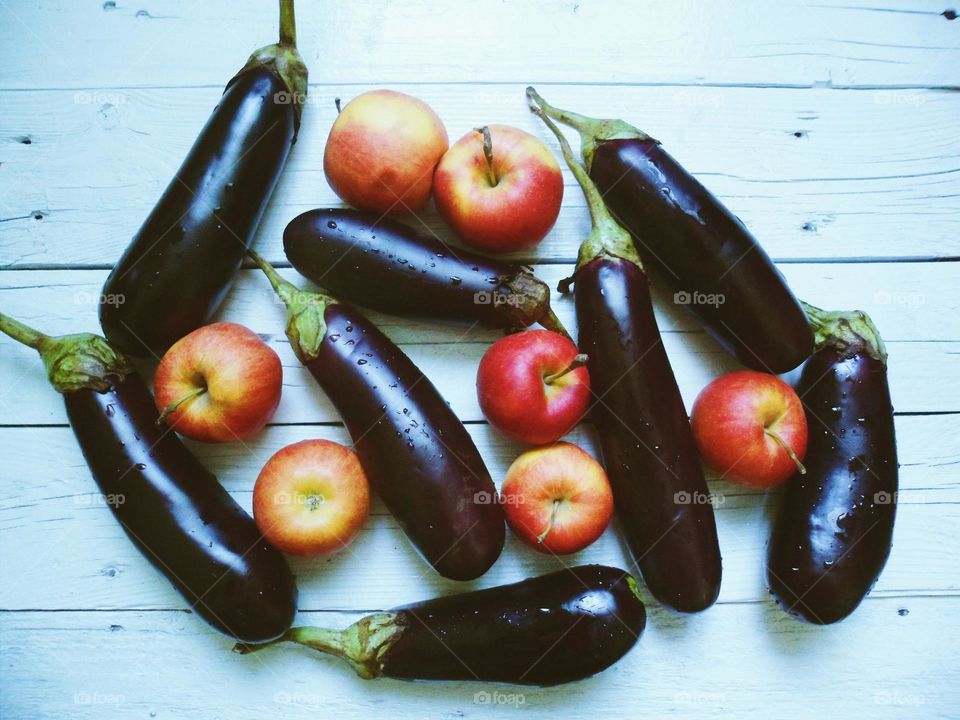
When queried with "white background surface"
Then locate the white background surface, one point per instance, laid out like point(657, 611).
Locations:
point(830, 127)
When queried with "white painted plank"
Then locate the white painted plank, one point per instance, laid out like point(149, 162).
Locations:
point(97, 161)
point(913, 304)
point(111, 44)
point(81, 559)
point(892, 659)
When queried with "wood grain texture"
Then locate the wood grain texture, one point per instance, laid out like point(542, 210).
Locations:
point(744, 660)
point(829, 127)
point(166, 42)
point(795, 165)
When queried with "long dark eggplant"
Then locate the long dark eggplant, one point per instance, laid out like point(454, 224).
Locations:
point(715, 266)
point(180, 263)
point(385, 265)
point(172, 508)
point(413, 448)
point(547, 630)
point(652, 461)
point(834, 528)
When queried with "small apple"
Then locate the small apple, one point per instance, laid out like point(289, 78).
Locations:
point(499, 188)
point(220, 383)
point(311, 498)
point(557, 499)
point(382, 151)
point(750, 427)
point(533, 386)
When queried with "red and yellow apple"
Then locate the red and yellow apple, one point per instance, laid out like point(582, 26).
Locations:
point(750, 428)
point(557, 499)
point(220, 383)
point(533, 386)
point(382, 151)
point(311, 498)
point(500, 190)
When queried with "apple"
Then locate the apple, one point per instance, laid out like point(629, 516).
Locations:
point(499, 188)
point(382, 151)
point(557, 499)
point(533, 386)
point(220, 383)
point(750, 427)
point(311, 498)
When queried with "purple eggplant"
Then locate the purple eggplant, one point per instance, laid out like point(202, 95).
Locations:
point(415, 451)
point(833, 532)
point(385, 265)
point(716, 268)
point(547, 630)
point(181, 262)
point(170, 506)
point(648, 447)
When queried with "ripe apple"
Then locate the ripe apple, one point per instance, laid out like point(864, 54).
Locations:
point(220, 383)
point(533, 386)
point(382, 151)
point(750, 427)
point(557, 498)
point(311, 498)
point(499, 188)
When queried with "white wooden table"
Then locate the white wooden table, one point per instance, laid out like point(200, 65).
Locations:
point(831, 127)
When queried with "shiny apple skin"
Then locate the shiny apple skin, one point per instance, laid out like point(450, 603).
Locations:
point(382, 151)
point(728, 420)
point(311, 498)
point(242, 374)
point(514, 395)
point(514, 214)
point(562, 474)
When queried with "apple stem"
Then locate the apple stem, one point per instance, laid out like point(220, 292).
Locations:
point(553, 516)
point(196, 392)
point(336, 102)
point(488, 154)
point(790, 452)
point(579, 361)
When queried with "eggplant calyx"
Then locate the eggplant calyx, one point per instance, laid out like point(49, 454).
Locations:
point(283, 60)
point(593, 131)
point(607, 236)
point(306, 327)
point(528, 302)
point(363, 644)
point(849, 332)
point(74, 362)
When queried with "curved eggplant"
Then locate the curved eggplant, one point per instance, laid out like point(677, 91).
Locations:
point(834, 528)
point(701, 248)
point(180, 263)
point(385, 265)
point(547, 630)
point(415, 451)
point(659, 489)
point(172, 508)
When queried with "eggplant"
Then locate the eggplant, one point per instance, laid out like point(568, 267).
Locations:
point(179, 265)
point(169, 505)
point(385, 265)
point(715, 267)
point(547, 630)
point(659, 489)
point(834, 528)
point(413, 449)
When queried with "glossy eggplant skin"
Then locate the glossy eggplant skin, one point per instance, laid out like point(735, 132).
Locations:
point(702, 249)
point(180, 263)
point(387, 266)
point(834, 528)
point(547, 630)
point(659, 489)
point(414, 450)
point(182, 520)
